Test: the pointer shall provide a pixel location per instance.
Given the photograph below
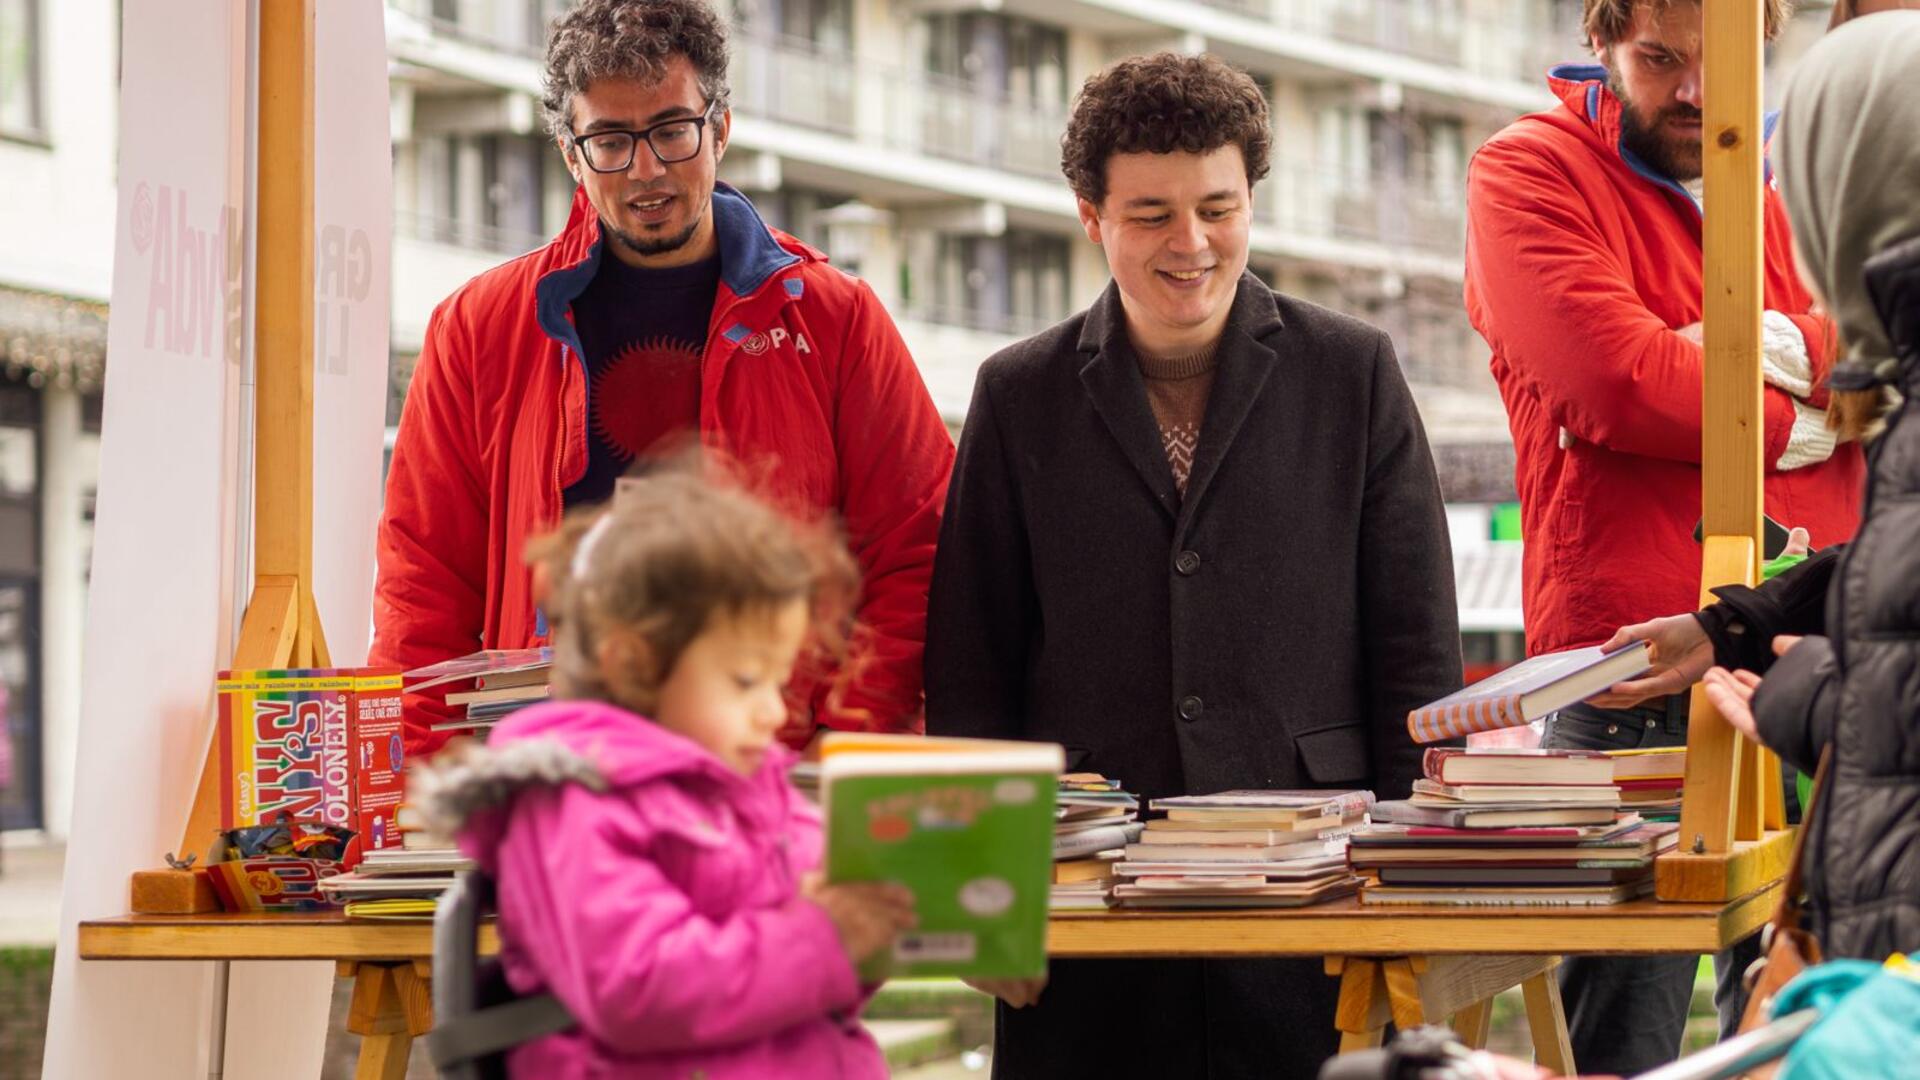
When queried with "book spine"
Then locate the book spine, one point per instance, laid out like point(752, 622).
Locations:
point(1435, 722)
point(1093, 841)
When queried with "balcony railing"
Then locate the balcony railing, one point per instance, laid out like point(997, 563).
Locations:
point(989, 322)
point(473, 235)
point(1438, 31)
point(1330, 204)
point(794, 84)
point(789, 81)
point(509, 26)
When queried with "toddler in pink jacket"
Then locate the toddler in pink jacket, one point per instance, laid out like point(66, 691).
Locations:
point(654, 868)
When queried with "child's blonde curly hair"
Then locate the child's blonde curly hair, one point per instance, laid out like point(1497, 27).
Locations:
point(668, 552)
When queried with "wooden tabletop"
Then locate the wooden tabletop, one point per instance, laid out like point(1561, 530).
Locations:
point(1342, 927)
point(1349, 928)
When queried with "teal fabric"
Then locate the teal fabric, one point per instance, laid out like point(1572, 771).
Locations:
point(1869, 1027)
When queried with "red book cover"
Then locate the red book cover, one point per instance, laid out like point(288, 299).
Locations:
point(378, 762)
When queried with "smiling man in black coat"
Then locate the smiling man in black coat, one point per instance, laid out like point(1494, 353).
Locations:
point(1194, 534)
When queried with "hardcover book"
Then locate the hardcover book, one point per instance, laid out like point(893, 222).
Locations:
point(1527, 691)
point(967, 825)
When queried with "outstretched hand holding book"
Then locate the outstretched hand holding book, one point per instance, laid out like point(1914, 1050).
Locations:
point(868, 915)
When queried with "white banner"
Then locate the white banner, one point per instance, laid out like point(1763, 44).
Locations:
point(170, 549)
point(353, 218)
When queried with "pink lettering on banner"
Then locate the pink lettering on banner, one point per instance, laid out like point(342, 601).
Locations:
point(189, 269)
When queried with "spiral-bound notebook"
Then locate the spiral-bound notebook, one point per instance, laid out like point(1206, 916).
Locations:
point(1527, 691)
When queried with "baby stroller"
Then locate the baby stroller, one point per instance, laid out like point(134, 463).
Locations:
point(477, 1017)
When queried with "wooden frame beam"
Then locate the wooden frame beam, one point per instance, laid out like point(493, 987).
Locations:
point(1727, 809)
point(282, 626)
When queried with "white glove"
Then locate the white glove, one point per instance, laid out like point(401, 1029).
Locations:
point(1811, 441)
point(1783, 355)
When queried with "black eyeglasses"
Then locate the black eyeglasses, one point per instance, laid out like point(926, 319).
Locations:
point(671, 141)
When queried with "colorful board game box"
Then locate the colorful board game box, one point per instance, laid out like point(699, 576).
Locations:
point(313, 746)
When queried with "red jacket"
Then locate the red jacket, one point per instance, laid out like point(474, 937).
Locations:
point(804, 376)
point(1581, 264)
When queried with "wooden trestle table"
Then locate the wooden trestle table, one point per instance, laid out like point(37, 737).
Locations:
point(1410, 965)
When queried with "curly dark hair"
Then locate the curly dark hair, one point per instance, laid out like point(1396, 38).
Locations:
point(631, 39)
point(1158, 104)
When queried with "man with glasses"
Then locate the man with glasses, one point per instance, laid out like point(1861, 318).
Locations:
point(665, 313)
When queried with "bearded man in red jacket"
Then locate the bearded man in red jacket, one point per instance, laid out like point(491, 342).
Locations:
point(1584, 276)
point(666, 311)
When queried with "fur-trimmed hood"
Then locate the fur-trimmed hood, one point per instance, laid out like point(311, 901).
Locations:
point(464, 792)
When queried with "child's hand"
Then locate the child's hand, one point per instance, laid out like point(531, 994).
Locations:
point(868, 915)
point(1017, 993)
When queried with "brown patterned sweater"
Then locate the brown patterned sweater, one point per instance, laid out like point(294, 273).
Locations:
point(1177, 388)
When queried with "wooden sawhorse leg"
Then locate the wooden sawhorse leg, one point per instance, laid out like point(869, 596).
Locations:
point(1411, 990)
point(392, 1005)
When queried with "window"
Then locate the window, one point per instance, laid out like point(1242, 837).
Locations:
point(827, 25)
point(484, 191)
point(1013, 284)
point(20, 105)
point(1004, 54)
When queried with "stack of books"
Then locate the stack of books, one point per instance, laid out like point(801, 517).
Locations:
point(486, 686)
point(1510, 827)
point(1243, 849)
point(397, 882)
point(1093, 822)
point(1651, 781)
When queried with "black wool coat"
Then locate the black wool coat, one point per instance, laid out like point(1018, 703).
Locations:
point(1857, 689)
point(1270, 630)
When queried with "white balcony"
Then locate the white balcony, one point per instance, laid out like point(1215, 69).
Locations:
point(431, 258)
point(1321, 204)
point(1482, 52)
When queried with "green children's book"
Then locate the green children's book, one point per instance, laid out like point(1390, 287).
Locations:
point(967, 825)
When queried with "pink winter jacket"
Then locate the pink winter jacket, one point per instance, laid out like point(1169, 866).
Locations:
point(655, 893)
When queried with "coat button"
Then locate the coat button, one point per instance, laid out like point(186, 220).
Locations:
point(1187, 562)
point(1613, 729)
point(1190, 707)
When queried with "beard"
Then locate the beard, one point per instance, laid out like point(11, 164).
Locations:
point(653, 245)
point(657, 244)
point(1650, 140)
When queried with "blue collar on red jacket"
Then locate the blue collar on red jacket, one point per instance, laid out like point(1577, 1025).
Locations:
point(749, 256)
point(1594, 76)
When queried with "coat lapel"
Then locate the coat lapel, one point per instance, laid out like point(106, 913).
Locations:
point(1242, 366)
point(1119, 394)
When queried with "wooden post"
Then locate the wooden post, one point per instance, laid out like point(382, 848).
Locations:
point(1724, 802)
point(281, 627)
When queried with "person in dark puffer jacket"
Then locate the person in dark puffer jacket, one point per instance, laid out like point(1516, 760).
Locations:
point(1850, 167)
